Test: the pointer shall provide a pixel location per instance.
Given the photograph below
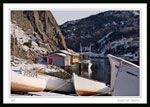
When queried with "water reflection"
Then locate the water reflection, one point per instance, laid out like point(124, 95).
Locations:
point(101, 69)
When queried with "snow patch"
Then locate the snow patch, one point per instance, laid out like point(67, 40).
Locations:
point(135, 13)
point(33, 37)
point(19, 64)
point(105, 37)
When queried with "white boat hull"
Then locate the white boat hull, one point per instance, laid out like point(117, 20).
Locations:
point(58, 84)
point(124, 77)
point(24, 83)
point(84, 86)
point(30, 81)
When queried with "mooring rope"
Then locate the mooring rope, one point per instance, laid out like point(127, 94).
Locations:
point(55, 89)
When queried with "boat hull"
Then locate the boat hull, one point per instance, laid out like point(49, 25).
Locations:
point(86, 87)
point(58, 84)
point(24, 83)
point(81, 92)
point(31, 82)
point(124, 77)
point(24, 87)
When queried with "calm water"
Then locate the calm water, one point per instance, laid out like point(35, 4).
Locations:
point(101, 69)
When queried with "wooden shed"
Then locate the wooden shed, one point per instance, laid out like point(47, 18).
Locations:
point(58, 59)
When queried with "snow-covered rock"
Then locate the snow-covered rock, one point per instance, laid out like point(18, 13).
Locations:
point(23, 37)
point(33, 37)
point(34, 44)
point(24, 47)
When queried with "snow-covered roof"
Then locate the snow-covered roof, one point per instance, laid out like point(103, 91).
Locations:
point(65, 52)
point(61, 54)
point(70, 52)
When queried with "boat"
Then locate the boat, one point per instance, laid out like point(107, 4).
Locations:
point(21, 81)
point(28, 81)
point(85, 87)
point(124, 77)
point(58, 84)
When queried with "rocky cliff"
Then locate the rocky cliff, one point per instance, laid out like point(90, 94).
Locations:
point(38, 29)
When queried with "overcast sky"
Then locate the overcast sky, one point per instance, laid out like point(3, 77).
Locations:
point(64, 16)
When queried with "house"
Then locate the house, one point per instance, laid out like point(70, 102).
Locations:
point(58, 59)
point(67, 58)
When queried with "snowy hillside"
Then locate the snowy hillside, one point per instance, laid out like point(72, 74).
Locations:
point(110, 32)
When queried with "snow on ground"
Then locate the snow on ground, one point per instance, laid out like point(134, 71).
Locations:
point(23, 37)
point(21, 64)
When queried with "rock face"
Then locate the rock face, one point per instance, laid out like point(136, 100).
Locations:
point(38, 26)
point(114, 32)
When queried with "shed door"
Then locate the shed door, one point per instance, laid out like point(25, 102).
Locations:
point(51, 61)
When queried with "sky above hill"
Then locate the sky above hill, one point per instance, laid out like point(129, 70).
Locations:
point(64, 16)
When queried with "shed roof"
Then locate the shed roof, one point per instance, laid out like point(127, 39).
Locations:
point(65, 52)
point(61, 54)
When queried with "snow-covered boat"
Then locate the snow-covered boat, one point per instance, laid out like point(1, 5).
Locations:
point(124, 77)
point(84, 86)
point(30, 81)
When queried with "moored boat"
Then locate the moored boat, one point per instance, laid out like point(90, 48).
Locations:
point(27, 81)
point(85, 87)
point(58, 84)
point(21, 81)
point(124, 77)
